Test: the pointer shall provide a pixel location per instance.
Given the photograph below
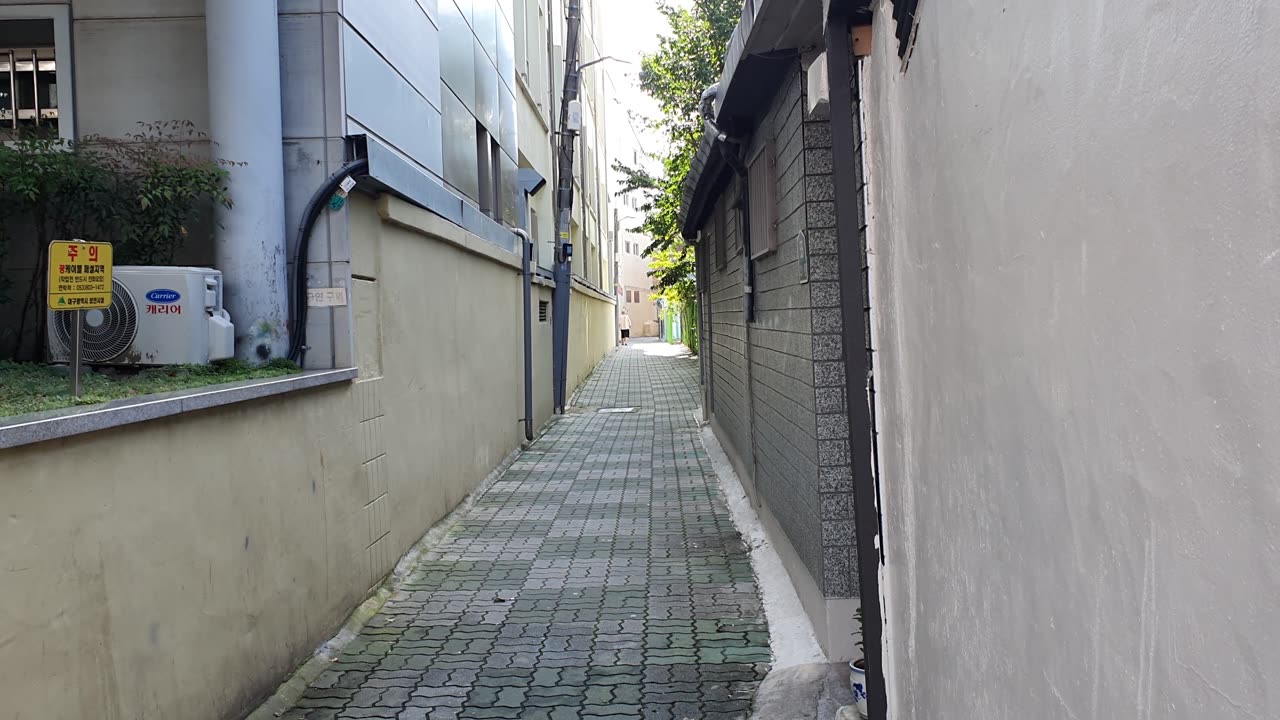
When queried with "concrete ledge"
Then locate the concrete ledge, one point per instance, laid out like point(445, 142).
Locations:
point(57, 424)
point(832, 618)
point(391, 173)
point(410, 217)
point(591, 291)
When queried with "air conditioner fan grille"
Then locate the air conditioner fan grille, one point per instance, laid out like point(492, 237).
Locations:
point(108, 340)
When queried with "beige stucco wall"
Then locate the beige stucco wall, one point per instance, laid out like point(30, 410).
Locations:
point(180, 568)
point(175, 569)
point(591, 333)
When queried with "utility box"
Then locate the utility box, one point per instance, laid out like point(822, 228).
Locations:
point(819, 85)
point(158, 316)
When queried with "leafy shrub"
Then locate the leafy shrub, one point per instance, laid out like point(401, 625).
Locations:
point(142, 193)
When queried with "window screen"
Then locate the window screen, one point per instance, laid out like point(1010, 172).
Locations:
point(763, 202)
point(28, 79)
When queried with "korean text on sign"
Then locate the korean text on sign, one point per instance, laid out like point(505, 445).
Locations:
point(79, 275)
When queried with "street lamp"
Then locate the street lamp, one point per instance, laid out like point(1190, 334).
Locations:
point(597, 61)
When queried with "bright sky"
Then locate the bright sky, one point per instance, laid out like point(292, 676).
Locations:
point(632, 28)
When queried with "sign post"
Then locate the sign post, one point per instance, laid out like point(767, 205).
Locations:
point(79, 280)
point(77, 352)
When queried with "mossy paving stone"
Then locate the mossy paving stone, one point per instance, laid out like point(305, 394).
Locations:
point(599, 577)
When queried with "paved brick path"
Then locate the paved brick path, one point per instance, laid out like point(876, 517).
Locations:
point(600, 577)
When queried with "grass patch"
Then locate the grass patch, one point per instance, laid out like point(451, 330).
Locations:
point(28, 388)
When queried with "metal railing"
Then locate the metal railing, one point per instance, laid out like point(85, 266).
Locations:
point(24, 69)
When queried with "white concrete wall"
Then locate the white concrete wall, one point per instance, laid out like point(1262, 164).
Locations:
point(1075, 285)
point(591, 333)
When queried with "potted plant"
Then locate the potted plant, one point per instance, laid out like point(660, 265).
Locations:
point(858, 674)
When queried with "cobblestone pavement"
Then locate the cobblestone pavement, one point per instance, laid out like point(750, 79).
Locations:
point(600, 577)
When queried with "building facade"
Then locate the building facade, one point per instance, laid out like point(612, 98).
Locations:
point(772, 316)
point(635, 286)
point(213, 550)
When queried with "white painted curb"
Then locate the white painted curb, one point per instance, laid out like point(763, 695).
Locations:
point(791, 636)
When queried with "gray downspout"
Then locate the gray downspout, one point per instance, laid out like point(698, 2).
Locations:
point(531, 183)
point(527, 243)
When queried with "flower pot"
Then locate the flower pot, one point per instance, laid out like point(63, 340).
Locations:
point(858, 680)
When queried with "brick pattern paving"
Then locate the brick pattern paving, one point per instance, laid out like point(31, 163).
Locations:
point(600, 577)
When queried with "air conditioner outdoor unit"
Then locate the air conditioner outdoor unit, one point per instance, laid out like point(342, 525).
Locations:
point(158, 316)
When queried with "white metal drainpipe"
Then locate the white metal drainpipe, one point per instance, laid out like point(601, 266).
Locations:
point(246, 125)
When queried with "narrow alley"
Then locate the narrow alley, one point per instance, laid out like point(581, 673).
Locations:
point(599, 577)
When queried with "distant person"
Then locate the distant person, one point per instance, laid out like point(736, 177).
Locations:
point(624, 323)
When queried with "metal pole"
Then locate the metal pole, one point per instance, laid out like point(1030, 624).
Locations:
point(35, 84)
point(13, 87)
point(77, 352)
point(846, 133)
point(527, 242)
point(617, 304)
point(564, 210)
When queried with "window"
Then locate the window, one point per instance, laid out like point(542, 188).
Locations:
point(495, 170)
point(540, 69)
point(763, 203)
point(522, 39)
point(531, 37)
point(489, 162)
point(35, 67)
point(483, 159)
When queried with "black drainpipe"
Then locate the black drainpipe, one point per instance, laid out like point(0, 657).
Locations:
point(526, 242)
point(845, 136)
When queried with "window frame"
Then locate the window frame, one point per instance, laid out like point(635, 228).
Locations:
point(63, 56)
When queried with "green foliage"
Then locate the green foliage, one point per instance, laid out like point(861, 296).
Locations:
point(26, 388)
point(141, 193)
point(689, 327)
point(169, 185)
point(673, 270)
point(689, 59)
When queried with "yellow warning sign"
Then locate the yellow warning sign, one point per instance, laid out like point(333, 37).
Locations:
point(79, 275)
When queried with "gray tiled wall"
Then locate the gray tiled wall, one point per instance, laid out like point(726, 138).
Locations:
point(778, 386)
point(727, 340)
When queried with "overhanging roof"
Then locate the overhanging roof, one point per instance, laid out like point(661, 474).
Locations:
point(769, 30)
point(760, 54)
